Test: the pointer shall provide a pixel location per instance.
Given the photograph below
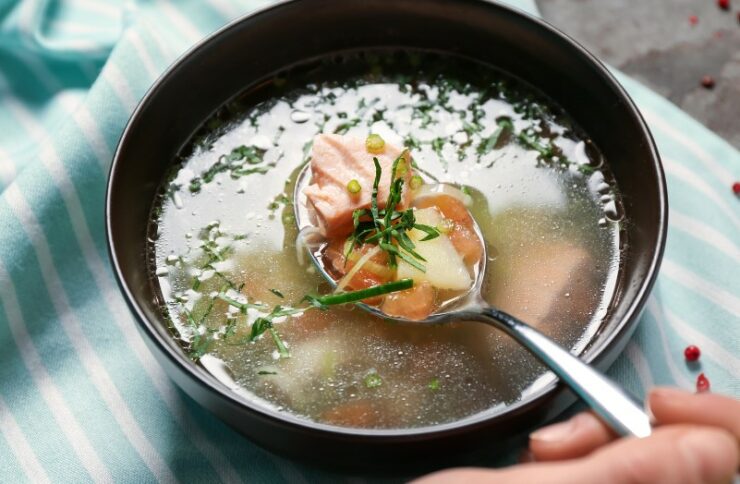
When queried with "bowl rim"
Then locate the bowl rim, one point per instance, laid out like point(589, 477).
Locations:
point(200, 376)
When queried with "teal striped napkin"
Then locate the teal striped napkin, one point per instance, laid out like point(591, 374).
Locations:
point(81, 399)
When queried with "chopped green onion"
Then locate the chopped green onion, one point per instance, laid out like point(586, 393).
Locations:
point(375, 144)
point(373, 380)
point(388, 224)
point(532, 143)
point(433, 384)
point(354, 296)
point(504, 126)
point(416, 182)
point(354, 186)
point(432, 233)
point(446, 226)
point(282, 349)
point(259, 326)
point(242, 307)
point(374, 197)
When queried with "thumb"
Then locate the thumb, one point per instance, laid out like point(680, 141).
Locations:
point(676, 455)
point(573, 438)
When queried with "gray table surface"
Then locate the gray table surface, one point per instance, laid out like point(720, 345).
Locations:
point(654, 42)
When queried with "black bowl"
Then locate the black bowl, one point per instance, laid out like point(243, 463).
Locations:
point(255, 47)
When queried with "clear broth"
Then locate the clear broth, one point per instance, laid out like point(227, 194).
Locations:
point(551, 222)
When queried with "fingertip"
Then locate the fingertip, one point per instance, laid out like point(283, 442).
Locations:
point(712, 455)
point(570, 439)
point(667, 394)
point(660, 398)
point(674, 406)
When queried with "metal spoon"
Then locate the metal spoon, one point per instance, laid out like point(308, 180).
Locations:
point(612, 403)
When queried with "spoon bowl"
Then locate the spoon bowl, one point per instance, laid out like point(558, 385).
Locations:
point(449, 309)
point(613, 404)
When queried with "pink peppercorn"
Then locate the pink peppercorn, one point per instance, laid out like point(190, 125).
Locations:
point(707, 82)
point(702, 383)
point(691, 353)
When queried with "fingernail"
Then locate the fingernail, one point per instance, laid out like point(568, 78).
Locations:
point(555, 433)
point(666, 396)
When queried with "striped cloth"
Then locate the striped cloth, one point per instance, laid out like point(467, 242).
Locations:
point(81, 399)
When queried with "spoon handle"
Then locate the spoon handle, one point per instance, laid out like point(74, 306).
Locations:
point(613, 404)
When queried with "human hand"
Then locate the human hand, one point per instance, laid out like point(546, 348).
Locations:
point(697, 442)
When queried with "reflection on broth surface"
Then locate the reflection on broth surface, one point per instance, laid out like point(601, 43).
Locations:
point(225, 246)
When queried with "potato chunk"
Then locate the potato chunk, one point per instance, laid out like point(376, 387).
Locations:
point(445, 268)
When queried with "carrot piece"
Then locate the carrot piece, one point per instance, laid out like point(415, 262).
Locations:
point(374, 273)
point(352, 414)
point(466, 243)
point(451, 208)
point(463, 235)
point(416, 303)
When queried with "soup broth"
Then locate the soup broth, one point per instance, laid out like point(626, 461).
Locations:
point(225, 260)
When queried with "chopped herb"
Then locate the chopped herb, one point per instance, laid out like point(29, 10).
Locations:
point(234, 163)
point(259, 326)
point(195, 185)
point(346, 126)
point(199, 346)
point(412, 143)
point(354, 187)
point(199, 343)
point(280, 200)
point(433, 384)
point(242, 307)
point(353, 296)
point(230, 327)
point(471, 128)
point(265, 372)
point(530, 142)
point(505, 126)
point(282, 349)
point(378, 115)
point(586, 169)
point(277, 293)
point(387, 228)
point(240, 172)
point(265, 323)
point(373, 380)
point(314, 302)
point(250, 154)
point(437, 145)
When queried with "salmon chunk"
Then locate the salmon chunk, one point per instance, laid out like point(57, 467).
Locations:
point(335, 161)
